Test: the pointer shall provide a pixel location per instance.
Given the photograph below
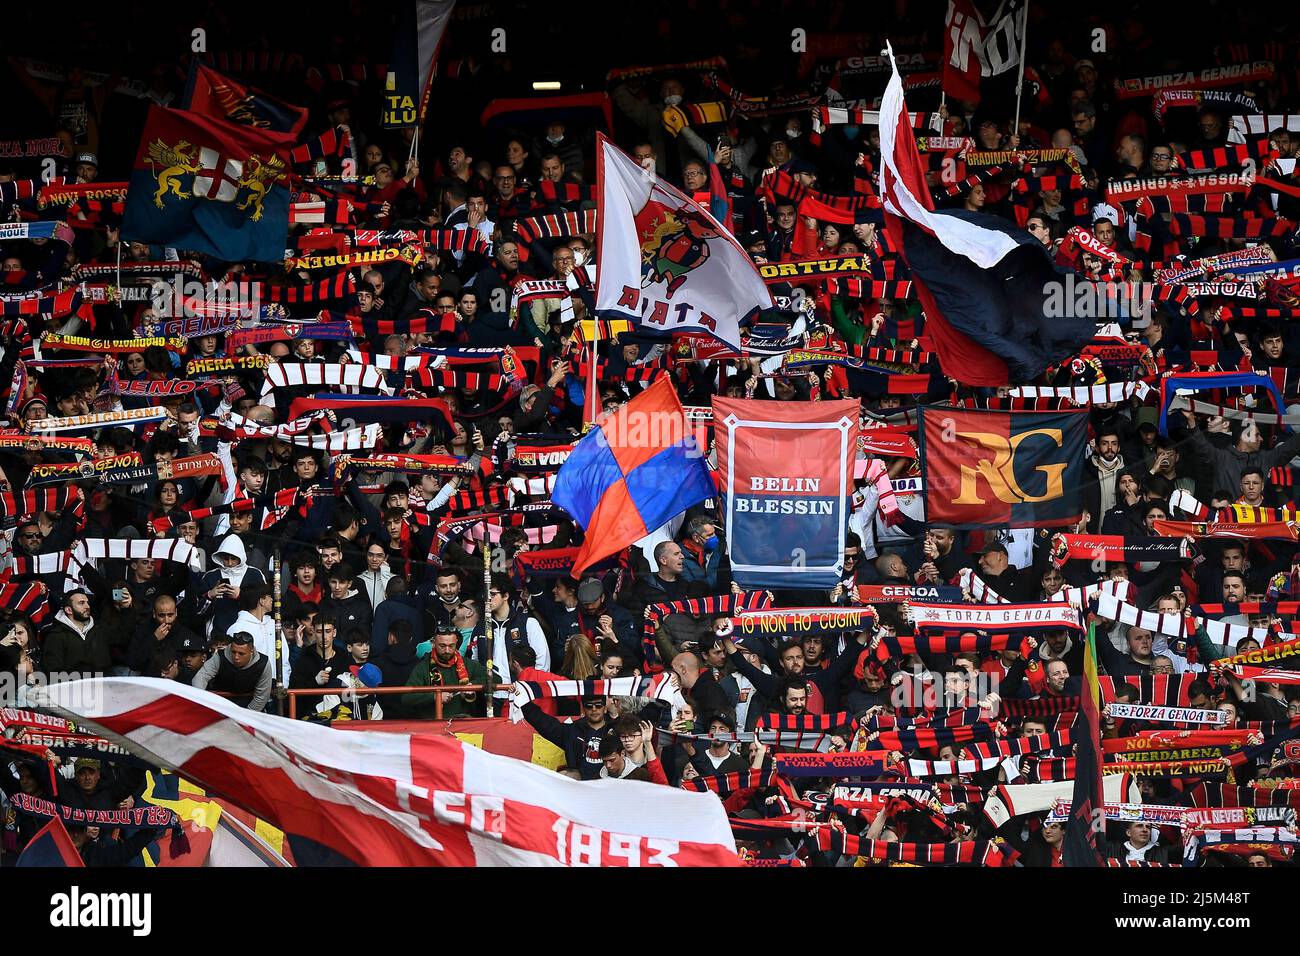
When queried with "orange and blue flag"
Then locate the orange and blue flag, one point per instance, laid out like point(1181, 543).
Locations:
point(636, 471)
point(1009, 469)
point(210, 186)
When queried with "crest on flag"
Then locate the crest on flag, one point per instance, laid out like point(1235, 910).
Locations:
point(665, 261)
point(210, 185)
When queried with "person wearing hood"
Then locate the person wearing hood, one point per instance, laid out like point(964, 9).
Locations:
point(256, 604)
point(395, 657)
point(219, 589)
point(74, 642)
point(239, 670)
point(350, 607)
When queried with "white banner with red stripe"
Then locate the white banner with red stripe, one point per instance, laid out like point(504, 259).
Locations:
point(397, 799)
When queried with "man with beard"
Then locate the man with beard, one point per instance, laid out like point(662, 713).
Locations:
point(75, 643)
point(444, 667)
point(446, 586)
point(821, 694)
point(1100, 474)
point(943, 561)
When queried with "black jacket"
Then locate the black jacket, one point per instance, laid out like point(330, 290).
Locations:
point(579, 741)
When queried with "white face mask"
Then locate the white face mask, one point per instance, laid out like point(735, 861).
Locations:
point(579, 257)
point(553, 140)
point(791, 132)
point(672, 99)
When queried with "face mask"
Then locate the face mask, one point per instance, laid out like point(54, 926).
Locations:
point(579, 257)
point(554, 140)
point(851, 132)
point(672, 100)
point(791, 132)
point(711, 543)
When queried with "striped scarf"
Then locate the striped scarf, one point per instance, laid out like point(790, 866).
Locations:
point(347, 439)
point(1224, 157)
point(1165, 690)
point(555, 226)
point(1229, 227)
point(97, 549)
point(898, 647)
point(553, 192)
point(714, 604)
point(55, 305)
point(727, 784)
point(929, 738)
point(19, 190)
point(33, 500)
point(970, 853)
point(349, 378)
point(342, 285)
point(336, 212)
point(1019, 746)
point(28, 599)
point(331, 143)
point(273, 504)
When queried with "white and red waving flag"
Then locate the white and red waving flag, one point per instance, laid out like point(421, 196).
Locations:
point(396, 799)
point(665, 262)
point(991, 295)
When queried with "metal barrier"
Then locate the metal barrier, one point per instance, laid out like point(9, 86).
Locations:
point(437, 690)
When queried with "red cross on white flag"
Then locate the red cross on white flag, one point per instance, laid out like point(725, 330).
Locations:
point(218, 176)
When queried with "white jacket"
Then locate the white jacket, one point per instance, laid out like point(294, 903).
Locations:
point(263, 632)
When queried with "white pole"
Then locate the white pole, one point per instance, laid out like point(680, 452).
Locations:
point(1020, 73)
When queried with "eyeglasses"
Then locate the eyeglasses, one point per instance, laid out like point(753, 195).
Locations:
point(594, 705)
point(31, 534)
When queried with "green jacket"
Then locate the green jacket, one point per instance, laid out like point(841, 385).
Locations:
point(421, 706)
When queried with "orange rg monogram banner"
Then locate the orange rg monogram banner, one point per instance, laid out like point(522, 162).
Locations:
point(1010, 469)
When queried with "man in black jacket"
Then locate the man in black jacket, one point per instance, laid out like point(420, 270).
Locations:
point(579, 740)
point(997, 571)
point(826, 682)
point(161, 629)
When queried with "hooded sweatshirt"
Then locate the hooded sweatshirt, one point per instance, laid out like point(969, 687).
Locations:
point(263, 632)
point(222, 612)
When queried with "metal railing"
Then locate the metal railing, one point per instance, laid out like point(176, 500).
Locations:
point(438, 690)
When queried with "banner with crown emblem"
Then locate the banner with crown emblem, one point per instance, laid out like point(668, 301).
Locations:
point(209, 186)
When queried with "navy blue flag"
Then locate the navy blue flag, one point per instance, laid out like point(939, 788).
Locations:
point(215, 94)
point(209, 186)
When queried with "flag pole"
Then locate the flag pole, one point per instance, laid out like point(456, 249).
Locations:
point(1020, 73)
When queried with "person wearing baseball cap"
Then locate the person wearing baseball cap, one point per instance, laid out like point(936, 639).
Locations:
point(605, 620)
point(193, 654)
point(997, 571)
point(86, 167)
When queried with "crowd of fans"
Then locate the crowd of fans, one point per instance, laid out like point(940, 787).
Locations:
point(309, 571)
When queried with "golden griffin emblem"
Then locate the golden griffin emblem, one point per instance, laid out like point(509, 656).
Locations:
point(259, 177)
point(174, 160)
